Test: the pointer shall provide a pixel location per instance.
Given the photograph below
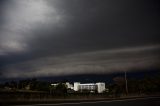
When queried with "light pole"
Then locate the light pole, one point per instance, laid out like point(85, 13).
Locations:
point(126, 82)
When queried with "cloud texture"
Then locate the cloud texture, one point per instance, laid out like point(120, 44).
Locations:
point(98, 62)
point(63, 37)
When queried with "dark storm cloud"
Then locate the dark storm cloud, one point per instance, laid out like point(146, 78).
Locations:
point(97, 62)
point(33, 29)
point(100, 25)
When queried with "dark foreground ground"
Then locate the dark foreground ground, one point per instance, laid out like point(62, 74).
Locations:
point(142, 101)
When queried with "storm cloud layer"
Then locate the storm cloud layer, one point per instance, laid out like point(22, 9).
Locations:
point(98, 62)
point(63, 37)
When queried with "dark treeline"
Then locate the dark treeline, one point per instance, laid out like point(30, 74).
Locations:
point(28, 84)
point(143, 86)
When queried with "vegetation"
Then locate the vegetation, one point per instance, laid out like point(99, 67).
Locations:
point(43, 89)
point(146, 85)
point(60, 89)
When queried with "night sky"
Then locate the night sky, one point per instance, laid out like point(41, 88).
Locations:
point(45, 38)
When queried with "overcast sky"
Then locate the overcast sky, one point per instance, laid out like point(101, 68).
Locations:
point(64, 37)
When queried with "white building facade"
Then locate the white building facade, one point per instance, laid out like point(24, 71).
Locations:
point(91, 87)
point(76, 86)
point(99, 87)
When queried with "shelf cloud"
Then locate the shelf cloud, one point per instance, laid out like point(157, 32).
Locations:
point(97, 62)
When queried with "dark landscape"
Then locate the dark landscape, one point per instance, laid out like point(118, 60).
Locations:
point(80, 52)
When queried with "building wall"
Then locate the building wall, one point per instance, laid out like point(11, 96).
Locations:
point(101, 87)
point(89, 87)
point(76, 86)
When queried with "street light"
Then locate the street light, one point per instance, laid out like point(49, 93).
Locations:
point(126, 82)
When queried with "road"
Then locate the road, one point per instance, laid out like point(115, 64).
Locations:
point(149, 101)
